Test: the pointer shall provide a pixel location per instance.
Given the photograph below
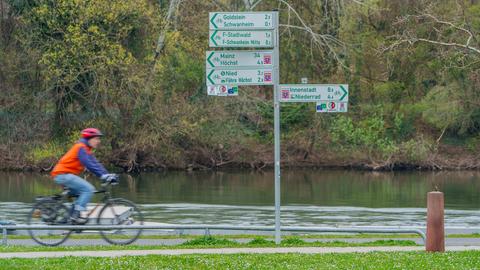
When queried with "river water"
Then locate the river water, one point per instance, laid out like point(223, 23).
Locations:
point(309, 197)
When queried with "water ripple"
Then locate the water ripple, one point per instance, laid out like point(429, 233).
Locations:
point(294, 215)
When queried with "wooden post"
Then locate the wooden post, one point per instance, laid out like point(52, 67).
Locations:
point(435, 222)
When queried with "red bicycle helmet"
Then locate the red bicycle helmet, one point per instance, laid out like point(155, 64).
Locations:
point(89, 133)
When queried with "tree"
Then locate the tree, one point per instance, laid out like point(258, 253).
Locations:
point(88, 50)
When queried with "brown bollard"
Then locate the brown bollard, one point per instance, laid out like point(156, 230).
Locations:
point(435, 223)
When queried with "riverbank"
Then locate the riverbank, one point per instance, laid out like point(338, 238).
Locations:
point(446, 157)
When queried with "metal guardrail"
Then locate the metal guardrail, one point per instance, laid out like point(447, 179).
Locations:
point(208, 228)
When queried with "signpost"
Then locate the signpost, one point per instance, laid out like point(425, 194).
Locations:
point(241, 38)
point(313, 92)
point(240, 77)
point(239, 59)
point(226, 70)
point(241, 20)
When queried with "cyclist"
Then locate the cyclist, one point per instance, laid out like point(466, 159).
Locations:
point(73, 163)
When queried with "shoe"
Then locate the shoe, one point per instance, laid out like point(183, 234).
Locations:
point(76, 218)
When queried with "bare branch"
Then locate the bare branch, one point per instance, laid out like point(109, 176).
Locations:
point(161, 38)
point(411, 38)
point(450, 24)
point(319, 39)
point(358, 2)
point(451, 44)
point(248, 5)
point(255, 4)
point(220, 5)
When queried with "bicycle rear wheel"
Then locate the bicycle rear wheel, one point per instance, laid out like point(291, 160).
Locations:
point(51, 213)
point(120, 212)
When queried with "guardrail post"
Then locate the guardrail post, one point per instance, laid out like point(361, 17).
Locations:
point(207, 232)
point(435, 222)
point(4, 238)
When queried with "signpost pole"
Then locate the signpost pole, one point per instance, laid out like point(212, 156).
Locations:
point(276, 115)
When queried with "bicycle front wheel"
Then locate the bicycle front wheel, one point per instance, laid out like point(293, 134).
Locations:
point(49, 213)
point(120, 212)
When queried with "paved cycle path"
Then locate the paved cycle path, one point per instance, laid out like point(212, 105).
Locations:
point(304, 250)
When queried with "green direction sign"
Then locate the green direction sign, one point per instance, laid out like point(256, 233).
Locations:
point(245, 38)
point(241, 20)
point(313, 92)
point(240, 77)
point(239, 59)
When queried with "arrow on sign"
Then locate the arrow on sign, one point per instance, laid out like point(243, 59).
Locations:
point(208, 59)
point(345, 92)
point(210, 74)
point(213, 19)
point(213, 35)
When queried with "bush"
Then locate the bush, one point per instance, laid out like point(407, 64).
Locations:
point(292, 241)
point(416, 149)
point(368, 134)
point(209, 241)
point(261, 241)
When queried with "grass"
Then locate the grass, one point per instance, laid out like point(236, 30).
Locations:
point(372, 260)
point(243, 236)
point(473, 235)
point(213, 242)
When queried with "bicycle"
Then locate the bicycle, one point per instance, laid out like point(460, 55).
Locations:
point(55, 211)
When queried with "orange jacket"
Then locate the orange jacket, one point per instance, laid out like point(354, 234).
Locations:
point(76, 159)
point(70, 163)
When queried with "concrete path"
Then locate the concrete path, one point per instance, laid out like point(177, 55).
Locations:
point(304, 250)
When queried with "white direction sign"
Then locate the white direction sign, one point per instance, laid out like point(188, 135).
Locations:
point(240, 77)
point(241, 20)
point(313, 92)
point(332, 106)
point(239, 59)
point(241, 38)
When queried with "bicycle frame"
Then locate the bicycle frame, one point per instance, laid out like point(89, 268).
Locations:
point(106, 197)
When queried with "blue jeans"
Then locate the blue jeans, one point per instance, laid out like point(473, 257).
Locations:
point(78, 186)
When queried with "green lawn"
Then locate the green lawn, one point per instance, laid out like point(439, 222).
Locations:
point(214, 242)
point(373, 260)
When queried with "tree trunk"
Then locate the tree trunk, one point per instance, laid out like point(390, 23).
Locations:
point(161, 38)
